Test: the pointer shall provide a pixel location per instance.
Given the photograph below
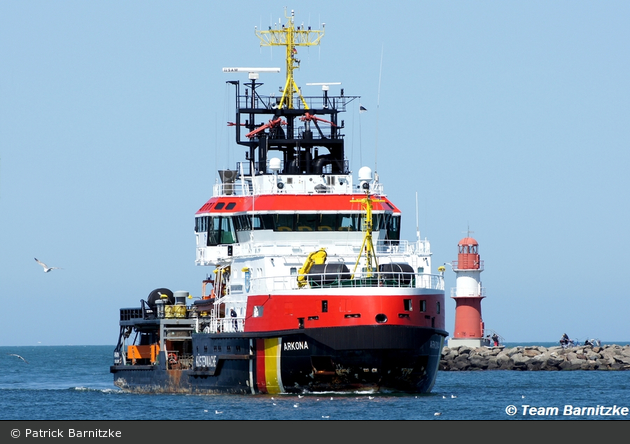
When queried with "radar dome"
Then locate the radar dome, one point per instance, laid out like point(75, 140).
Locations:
point(275, 164)
point(365, 174)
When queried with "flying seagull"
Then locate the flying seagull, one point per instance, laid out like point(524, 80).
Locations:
point(13, 354)
point(46, 267)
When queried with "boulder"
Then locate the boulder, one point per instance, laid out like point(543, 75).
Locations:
point(572, 364)
point(531, 352)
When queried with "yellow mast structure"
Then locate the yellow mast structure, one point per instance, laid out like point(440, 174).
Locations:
point(290, 37)
point(367, 247)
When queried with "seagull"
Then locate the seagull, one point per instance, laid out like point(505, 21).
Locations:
point(453, 396)
point(295, 405)
point(216, 412)
point(437, 414)
point(370, 397)
point(46, 267)
point(13, 354)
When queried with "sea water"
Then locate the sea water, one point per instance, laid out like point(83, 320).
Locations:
point(74, 383)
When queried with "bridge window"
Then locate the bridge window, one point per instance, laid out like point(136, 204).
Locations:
point(221, 231)
point(349, 222)
point(263, 222)
point(393, 228)
point(224, 229)
point(307, 222)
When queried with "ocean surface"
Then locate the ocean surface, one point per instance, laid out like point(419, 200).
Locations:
point(74, 383)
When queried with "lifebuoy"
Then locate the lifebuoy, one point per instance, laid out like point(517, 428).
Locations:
point(172, 358)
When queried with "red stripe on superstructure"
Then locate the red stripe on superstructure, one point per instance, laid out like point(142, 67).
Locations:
point(282, 312)
point(261, 381)
point(295, 202)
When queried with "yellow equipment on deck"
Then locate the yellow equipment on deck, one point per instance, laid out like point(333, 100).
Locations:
point(316, 257)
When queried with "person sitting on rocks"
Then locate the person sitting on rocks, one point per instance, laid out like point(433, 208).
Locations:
point(564, 340)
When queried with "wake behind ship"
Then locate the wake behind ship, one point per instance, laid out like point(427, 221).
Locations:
point(311, 287)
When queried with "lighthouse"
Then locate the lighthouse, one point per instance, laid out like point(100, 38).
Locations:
point(468, 293)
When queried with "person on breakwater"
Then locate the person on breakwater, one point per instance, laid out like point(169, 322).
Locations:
point(495, 338)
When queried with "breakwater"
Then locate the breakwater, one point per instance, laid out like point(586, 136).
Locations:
point(605, 357)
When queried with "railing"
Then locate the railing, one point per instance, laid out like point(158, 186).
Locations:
point(343, 280)
point(334, 247)
point(247, 188)
point(339, 103)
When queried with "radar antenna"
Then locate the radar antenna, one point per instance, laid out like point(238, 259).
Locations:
point(289, 36)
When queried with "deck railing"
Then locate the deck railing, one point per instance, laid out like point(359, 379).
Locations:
point(339, 280)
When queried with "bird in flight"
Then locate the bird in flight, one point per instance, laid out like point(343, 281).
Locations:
point(46, 267)
point(13, 354)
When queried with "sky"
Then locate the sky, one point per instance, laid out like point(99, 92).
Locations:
point(506, 119)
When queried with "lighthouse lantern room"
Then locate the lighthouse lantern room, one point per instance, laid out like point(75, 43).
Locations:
point(468, 293)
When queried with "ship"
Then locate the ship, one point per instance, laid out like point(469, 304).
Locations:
point(309, 287)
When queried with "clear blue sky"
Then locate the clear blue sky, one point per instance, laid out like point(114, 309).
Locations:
point(508, 118)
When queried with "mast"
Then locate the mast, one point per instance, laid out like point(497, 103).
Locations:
point(367, 247)
point(289, 36)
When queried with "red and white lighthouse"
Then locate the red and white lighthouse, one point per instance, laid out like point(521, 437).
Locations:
point(468, 293)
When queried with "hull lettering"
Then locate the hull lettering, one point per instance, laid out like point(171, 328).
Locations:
point(289, 346)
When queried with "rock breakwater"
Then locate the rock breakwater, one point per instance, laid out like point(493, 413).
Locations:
point(605, 357)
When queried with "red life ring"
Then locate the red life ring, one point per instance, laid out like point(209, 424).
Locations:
point(172, 358)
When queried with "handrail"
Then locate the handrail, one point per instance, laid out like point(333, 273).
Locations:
point(338, 280)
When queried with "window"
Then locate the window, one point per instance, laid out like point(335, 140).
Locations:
point(221, 231)
point(284, 222)
point(324, 306)
point(349, 222)
point(407, 305)
point(437, 307)
point(393, 228)
point(423, 306)
point(263, 222)
point(307, 222)
point(327, 222)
